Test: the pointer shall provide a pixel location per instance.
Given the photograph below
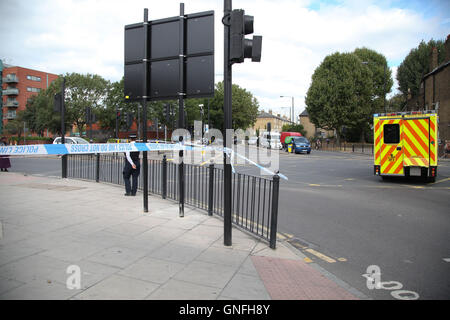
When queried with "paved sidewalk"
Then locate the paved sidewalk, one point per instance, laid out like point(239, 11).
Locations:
point(53, 227)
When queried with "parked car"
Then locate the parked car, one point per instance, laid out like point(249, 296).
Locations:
point(301, 144)
point(70, 140)
point(252, 140)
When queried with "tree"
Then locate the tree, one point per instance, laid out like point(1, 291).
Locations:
point(244, 107)
point(416, 64)
point(396, 103)
point(381, 76)
point(82, 91)
point(294, 128)
point(340, 94)
point(15, 126)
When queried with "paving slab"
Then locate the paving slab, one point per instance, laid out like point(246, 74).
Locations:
point(118, 287)
point(125, 253)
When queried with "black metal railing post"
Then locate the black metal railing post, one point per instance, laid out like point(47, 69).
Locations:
point(353, 148)
point(97, 167)
point(164, 177)
point(274, 215)
point(211, 190)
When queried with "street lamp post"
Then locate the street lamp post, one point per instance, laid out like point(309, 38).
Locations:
point(292, 113)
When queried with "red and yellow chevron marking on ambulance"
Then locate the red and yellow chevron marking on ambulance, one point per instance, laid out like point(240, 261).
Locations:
point(406, 144)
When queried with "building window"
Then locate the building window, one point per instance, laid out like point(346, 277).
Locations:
point(31, 89)
point(11, 114)
point(34, 78)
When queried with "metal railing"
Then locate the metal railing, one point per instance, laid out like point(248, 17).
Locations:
point(345, 147)
point(254, 199)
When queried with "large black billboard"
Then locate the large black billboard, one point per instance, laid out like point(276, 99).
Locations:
point(164, 58)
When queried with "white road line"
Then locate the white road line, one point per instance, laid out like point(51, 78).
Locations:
point(446, 259)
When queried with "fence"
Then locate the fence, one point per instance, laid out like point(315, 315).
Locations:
point(346, 147)
point(254, 199)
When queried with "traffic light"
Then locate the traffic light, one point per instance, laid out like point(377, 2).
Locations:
point(240, 47)
point(166, 112)
point(57, 102)
point(88, 115)
point(129, 119)
point(118, 115)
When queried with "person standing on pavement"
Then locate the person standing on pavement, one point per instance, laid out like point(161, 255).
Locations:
point(131, 169)
point(4, 160)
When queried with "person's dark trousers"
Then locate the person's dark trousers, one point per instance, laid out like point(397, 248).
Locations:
point(128, 172)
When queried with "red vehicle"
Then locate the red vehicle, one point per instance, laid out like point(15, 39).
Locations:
point(287, 134)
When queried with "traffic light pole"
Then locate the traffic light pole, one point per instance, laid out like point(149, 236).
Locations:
point(227, 110)
point(144, 115)
point(181, 119)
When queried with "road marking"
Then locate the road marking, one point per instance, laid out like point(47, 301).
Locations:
point(321, 256)
point(446, 259)
point(439, 181)
point(307, 260)
point(342, 259)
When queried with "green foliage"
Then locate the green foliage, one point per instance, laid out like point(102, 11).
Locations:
point(396, 103)
point(381, 76)
point(416, 64)
point(104, 98)
point(341, 93)
point(82, 91)
point(294, 128)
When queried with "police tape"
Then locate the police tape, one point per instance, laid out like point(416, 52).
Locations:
point(64, 149)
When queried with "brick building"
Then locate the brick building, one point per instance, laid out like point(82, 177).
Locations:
point(276, 121)
point(434, 93)
point(19, 85)
point(310, 128)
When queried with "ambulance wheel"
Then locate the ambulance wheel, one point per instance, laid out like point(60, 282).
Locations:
point(384, 178)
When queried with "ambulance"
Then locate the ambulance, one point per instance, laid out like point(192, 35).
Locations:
point(406, 144)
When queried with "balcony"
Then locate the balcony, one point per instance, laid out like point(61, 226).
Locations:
point(10, 79)
point(11, 92)
point(12, 104)
point(10, 116)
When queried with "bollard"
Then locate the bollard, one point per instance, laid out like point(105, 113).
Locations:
point(164, 177)
point(211, 189)
point(353, 148)
point(274, 216)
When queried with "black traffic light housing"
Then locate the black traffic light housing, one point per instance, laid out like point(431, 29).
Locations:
point(129, 120)
point(240, 47)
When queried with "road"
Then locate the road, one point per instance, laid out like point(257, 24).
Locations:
point(345, 219)
point(351, 219)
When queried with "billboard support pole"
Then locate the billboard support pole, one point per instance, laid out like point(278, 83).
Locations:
point(144, 113)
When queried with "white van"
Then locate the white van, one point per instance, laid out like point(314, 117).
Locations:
point(274, 140)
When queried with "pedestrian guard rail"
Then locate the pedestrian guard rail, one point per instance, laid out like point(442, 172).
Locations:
point(254, 199)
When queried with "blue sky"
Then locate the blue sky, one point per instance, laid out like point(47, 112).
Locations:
point(86, 36)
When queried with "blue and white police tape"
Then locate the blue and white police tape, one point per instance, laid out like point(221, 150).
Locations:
point(63, 149)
